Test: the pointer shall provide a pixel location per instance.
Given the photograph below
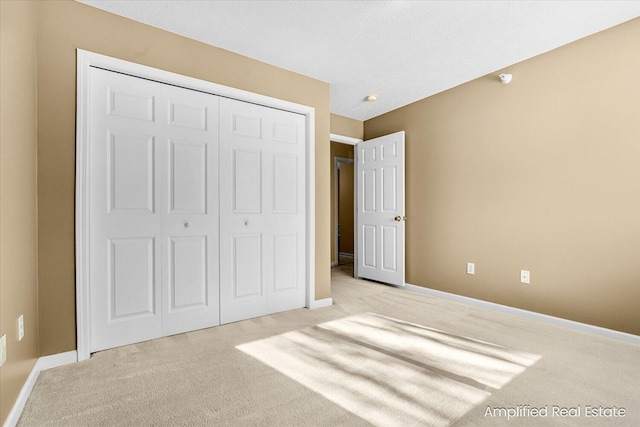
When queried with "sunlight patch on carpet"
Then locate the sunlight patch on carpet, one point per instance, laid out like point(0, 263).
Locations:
point(391, 372)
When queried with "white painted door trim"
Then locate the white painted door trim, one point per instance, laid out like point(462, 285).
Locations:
point(85, 60)
point(344, 139)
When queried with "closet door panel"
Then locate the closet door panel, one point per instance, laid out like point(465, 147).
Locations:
point(125, 222)
point(262, 156)
point(190, 284)
point(153, 210)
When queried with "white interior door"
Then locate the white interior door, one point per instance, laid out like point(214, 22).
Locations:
point(262, 217)
point(153, 210)
point(380, 220)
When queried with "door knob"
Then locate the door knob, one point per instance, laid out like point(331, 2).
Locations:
point(398, 218)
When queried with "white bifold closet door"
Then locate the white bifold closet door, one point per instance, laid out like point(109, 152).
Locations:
point(262, 210)
point(153, 209)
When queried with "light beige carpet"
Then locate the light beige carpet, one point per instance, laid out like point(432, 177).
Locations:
point(391, 372)
point(419, 360)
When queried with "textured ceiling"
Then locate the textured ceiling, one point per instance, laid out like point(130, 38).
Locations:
point(402, 51)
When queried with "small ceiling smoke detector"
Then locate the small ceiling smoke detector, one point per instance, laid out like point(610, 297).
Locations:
point(371, 98)
point(505, 78)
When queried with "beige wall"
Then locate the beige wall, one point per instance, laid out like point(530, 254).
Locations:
point(345, 126)
point(65, 26)
point(18, 233)
point(542, 174)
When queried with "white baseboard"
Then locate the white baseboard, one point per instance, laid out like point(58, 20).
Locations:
point(25, 392)
point(557, 321)
point(335, 263)
point(42, 364)
point(321, 303)
point(55, 360)
point(345, 255)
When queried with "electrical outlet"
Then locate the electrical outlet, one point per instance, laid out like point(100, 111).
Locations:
point(20, 327)
point(3, 349)
point(525, 276)
point(471, 268)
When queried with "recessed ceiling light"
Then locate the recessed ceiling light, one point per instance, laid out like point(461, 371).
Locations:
point(371, 98)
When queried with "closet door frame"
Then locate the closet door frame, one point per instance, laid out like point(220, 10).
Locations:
point(86, 60)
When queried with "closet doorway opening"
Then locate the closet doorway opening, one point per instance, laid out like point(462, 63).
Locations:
point(142, 171)
point(344, 200)
point(343, 247)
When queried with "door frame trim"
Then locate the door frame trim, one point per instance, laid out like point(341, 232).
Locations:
point(344, 139)
point(86, 60)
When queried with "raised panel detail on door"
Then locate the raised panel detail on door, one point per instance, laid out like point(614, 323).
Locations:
point(389, 150)
point(369, 238)
point(285, 183)
point(188, 177)
point(247, 126)
point(285, 132)
point(369, 190)
point(389, 197)
point(131, 105)
point(130, 172)
point(368, 155)
point(188, 272)
point(285, 254)
point(247, 265)
point(389, 250)
point(247, 181)
point(187, 116)
point(131, 277)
